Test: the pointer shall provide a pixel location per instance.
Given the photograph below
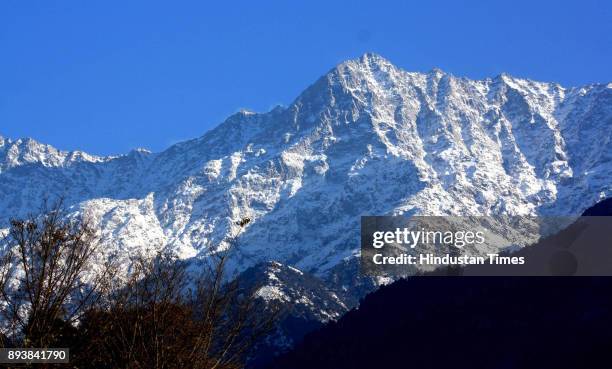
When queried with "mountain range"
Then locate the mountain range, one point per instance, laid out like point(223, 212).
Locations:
point(367, 138)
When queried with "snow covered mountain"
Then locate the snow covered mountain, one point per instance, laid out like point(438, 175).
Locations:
point(367, 138)
point(306, 303)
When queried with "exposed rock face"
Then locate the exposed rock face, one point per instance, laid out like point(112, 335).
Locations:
point(366, 138)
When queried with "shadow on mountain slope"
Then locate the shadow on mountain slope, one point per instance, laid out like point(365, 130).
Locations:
point(476, 322)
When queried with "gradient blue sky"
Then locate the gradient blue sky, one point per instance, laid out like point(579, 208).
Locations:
point(109, 76)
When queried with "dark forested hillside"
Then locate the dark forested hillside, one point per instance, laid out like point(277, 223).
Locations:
point(602, 208)
point(470, 322)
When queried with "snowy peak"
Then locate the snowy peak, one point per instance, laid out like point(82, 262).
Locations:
point(29, 151)
point(367, 62)
point(366, 138)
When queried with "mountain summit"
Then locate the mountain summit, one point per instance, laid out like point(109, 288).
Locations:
point(367, 138)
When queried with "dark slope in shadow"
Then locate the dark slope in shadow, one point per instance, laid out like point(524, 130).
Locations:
point(476, 322)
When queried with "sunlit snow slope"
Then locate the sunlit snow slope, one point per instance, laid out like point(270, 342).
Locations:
point(365, 139)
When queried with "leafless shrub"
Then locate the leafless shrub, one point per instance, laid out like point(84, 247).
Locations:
point(164, 317)
point(55, 293)
point(49, 277)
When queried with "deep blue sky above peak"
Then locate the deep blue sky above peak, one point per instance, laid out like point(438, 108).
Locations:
point(110, 76)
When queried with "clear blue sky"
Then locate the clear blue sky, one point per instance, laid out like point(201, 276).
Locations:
point(109, 76)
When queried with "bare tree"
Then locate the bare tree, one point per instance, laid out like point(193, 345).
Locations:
point(49, 277)
point(54, 291)
point(164, 316)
